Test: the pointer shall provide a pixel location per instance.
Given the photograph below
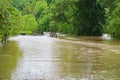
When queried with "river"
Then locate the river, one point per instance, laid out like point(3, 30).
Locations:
point(63, 58)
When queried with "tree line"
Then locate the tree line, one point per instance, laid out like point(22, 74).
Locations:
point(78, 17)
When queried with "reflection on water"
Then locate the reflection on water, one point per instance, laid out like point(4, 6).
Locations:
point(9, 54)
point(46, 58)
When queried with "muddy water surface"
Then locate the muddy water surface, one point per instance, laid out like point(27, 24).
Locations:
point(45, 58)
point(9, 55)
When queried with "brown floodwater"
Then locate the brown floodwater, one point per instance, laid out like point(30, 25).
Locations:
point(64, 58)
point(9, 55)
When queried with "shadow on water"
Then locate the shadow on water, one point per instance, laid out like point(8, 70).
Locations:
point(9, 55)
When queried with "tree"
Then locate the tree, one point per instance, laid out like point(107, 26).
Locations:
point(90, 16)
point(9, 17)
point(19, 4)
point(113, 22)
point(40, 9)
point(112, 10)
point(29, 23)
point(62, 14)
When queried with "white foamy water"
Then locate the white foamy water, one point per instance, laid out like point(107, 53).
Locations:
point(106, 36)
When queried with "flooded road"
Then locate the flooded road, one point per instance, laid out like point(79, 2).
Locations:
point(45, 58)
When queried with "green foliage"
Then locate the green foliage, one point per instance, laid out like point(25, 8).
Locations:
point(80, 17)
point(9, 19)
point(90, 16)
point(15, 22)
point(113, 22)
point(40, 8)
point(62, 16)
point(29, 23)
point(19, 4)
point(65, 28)
point(73, 17)
point(44, 22)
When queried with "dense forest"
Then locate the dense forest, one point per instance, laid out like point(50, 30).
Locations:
point(78, 17)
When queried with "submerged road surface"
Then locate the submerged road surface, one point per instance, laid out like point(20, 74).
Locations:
point(45, 58)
